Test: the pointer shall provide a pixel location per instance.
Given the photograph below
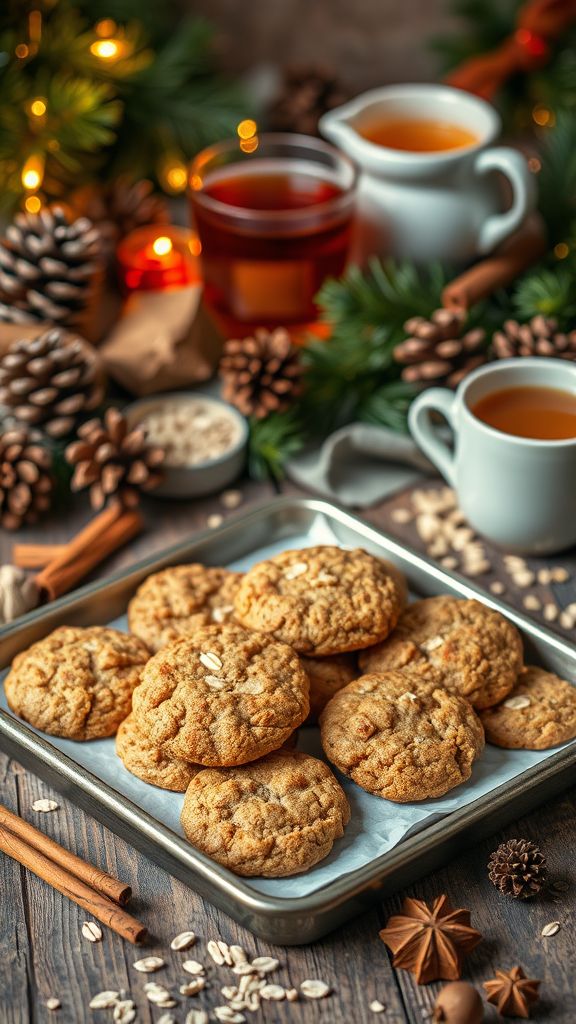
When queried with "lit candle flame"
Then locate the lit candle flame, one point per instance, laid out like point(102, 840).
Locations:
point(162, 245)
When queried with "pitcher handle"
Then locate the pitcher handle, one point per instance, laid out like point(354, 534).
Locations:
point(425, 434)
point(513, 165)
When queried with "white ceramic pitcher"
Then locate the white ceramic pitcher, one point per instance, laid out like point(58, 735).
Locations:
point(445, 204)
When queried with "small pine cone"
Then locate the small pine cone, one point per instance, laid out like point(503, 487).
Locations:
point(114, 461)
point(517, 868)
point(50, 381)
point(48, 267)
point(306, 93)
point(539, 337)
point(437, 351)
point(261, 374)
point(26, 481)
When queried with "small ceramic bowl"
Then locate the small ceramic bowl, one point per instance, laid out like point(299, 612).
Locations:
point(200, 478)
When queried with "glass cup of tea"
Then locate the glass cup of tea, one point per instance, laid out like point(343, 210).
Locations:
point(274, 217)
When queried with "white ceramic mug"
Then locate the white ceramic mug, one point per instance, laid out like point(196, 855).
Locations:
point(517, 491)
point(443, 205)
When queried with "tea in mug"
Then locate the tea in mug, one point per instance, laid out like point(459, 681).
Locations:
point(545, 414)
point(417, 135)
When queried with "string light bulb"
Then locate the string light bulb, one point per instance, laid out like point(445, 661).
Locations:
point(173, 174)
point(106, 49)
point(246, 129)
point(32, 204)
point(105, 27)
point(33, 173)
point(162, 245)
point(38, 107)
point(561, 250)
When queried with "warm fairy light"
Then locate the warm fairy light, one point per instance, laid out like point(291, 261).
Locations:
point(105, 49)
point(249, 145)
point(176, 177)
point(32, 173)
point(106, 27)
point(543, 117)
point(21, 51)
point(196, 182)
point(195, 245)
point(32, 204)
point(561, 250)
point(246, 129)
point(534, 165)
point(162, 245)
point(38, 107)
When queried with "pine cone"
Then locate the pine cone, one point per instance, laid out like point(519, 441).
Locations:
point(261, 374)
point(49, 381)
point(539, 337)
point(517, 868)
point(306, 94)
point(26, 482)
point(437, 351)
point(47, 268)
point(114, 461)
point(119, 208)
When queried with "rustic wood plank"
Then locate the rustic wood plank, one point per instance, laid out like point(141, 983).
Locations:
point(16, 960)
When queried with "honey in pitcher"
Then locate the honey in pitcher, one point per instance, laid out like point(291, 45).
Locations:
point(417, 135)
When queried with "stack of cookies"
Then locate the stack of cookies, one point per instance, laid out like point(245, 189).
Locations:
point(404, 696)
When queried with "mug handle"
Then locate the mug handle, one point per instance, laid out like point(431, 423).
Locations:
point(513, 165)
point(425, 434)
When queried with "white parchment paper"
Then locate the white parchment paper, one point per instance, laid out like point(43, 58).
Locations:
point(375, 826)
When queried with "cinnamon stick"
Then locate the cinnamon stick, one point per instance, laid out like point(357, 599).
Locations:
point(54, 874)
point(97, 879)
point(517, 253)
point(104, 534)
point(35, 556)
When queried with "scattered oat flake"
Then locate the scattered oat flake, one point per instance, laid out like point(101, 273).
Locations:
point(401, 515)
point(449, 562)
point(376, 1006)
point(265, 964)
point(293, 571)
point(433, 643)
point(211, 661)
point(167, 1018)
point(238, 955)
point(92, 931)
point(275, 992)
point(228, 1016)
point(291, 995)
point(550, 929)
point(215, 948)
point(313, 988)
point(231, 499)
point(497, 587)
point(192, 988)
point(124, 1011)
point(103, 1000)
point(183, 940)
point(214, 521)
point(148, 964)
point(53, 1003)
point(157, 994)
point(517, 703)
point(559, 574)
point(566, 620)
point(215, 682)
point(45, 805)
point(193, 967)
point(532, 603)
point(196, 1017)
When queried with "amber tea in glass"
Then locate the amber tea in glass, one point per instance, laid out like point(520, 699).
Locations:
point(273, 223)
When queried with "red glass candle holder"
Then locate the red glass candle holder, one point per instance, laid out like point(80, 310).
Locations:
point(157, 257)
point(274, 217)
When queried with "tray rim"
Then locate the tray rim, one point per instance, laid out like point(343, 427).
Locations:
point(352, 883)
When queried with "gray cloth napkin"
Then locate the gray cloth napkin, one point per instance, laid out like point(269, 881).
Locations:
point(359, 465)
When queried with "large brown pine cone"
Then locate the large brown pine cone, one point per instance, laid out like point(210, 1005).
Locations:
point(539, 337)
point(26, 482)
point(438, 350)
point(48, 267)
point(517, 868)
point(306, 94)
point(262, 373)
point(50, 381)
point(114, 461)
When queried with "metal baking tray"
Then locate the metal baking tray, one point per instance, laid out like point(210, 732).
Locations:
point(297, 920)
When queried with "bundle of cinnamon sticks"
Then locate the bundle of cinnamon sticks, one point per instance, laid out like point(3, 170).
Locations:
point(97, 892)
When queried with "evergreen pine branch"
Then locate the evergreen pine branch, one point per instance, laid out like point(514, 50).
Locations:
point(557, 178)
point(388, 406)
point(551, 293)
point(271, 443)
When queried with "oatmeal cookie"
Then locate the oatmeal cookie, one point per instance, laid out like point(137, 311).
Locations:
point(222, 696)
point(144, 759)
point(477, 652)
point(539, 713)
point(400, 735)
point(176, 601)
point(321, 600)
point(327, 676)
point(276, 817)
point(77, 682)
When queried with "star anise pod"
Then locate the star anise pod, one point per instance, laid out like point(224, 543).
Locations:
point(430, 942)
point(512, 993)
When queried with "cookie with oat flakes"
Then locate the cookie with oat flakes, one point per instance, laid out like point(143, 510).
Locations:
point(278, 816)
point(401, 735)
point(144, 759)
point(77, 682)
point(176, 601)
point(475, 650)
point(222, 696)
point(321, 600)
point(539, 713)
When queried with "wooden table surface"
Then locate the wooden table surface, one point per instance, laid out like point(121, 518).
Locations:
point(43, 954)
